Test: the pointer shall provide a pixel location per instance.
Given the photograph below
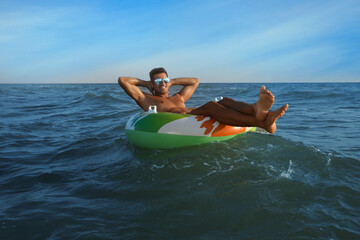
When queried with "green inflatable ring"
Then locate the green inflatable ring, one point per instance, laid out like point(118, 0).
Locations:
point(170, 130)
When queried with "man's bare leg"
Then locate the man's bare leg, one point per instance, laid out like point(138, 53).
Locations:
point(234, 118)
point(226, 115)
point(259, 109)
point(241, 107)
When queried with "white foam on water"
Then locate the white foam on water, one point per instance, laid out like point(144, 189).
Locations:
point(328, 159)
point(156, 166)
point(326, 156)
point(288, 172)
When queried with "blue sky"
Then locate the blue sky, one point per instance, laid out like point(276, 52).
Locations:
point(216, 41)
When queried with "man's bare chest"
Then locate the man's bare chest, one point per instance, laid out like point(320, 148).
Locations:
point(165, 104)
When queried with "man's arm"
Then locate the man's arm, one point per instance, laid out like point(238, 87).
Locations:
point(190, 84)
point(131, 87)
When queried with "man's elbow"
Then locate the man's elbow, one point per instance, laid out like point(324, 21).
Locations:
point(121, 81)
point(196, 81)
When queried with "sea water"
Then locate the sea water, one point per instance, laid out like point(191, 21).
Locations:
point(67, 170)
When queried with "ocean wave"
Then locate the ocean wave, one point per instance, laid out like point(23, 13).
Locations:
point(100, 97)
point(72, 159)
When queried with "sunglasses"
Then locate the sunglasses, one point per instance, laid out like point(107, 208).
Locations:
point(158, 80)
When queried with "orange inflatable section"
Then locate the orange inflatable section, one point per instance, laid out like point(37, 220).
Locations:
point(221, 130)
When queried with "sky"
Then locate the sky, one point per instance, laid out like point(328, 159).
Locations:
point(96, 41)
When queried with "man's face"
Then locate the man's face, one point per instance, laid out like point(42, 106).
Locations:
point(163, 87)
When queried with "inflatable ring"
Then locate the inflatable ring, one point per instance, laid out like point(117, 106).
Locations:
point(170, 130)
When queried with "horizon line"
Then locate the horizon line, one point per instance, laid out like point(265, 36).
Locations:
point(52, 83)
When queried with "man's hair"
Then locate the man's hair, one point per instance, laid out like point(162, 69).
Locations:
point(156, 71)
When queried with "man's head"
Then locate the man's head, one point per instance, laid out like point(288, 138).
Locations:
point(156, 71)
point(162, 87)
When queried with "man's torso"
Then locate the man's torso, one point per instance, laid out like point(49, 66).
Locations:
point(172, 104)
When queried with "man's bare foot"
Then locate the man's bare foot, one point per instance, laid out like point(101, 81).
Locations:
point(269, 123)
point(263, 105)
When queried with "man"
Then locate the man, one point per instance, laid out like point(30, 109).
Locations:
point(227, 111)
